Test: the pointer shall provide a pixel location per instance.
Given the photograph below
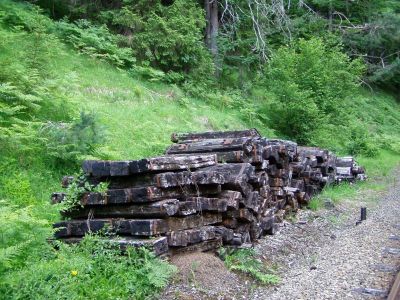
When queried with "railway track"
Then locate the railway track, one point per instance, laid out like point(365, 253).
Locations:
point(395, 290)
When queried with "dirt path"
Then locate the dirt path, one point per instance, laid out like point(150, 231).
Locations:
point(322, 255)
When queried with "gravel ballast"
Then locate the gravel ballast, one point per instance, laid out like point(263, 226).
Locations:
point(333, 258)
point(318, 255)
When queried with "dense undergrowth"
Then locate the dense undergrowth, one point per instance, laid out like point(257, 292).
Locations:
point(73, 90)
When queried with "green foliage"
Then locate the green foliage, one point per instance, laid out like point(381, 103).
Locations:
point(24, 17)
point(91, 270)
point(360, 142)
point(77, 188)
point(15, 106)
point(67, 142)
point(30, 91)
point(369, 29)
point(165, 37)
point(23, 228)
point(22, 235)
point(95, 41)
point(245, 261)
point(310, 85)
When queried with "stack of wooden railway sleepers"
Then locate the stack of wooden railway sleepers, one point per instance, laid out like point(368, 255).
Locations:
point(208, 189)
point(312, 169)
point(264, 197)
point(348, 170)
point(163, 202)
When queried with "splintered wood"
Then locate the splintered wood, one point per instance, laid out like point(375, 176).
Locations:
point(209, 189)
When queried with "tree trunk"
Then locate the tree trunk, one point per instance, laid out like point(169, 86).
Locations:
point(211, 8)
point(214, 27)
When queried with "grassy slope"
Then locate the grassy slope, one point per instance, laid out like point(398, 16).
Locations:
point(139, 116)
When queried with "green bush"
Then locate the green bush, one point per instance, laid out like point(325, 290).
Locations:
point(361, 142)
point(22, 236)
point(169, 38)
point(91, 270)
point(30, 89)
point(310, 85)
point(95, 41)
point(245, 261)
point(67, 142)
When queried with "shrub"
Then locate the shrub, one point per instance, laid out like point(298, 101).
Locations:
point(77, 188)
point(22, 236)
point(244, 260)
point(67, 142)
point(361, 143)
point(166, 37)
point(95, 41)
point(91, 270)
point(310, 84)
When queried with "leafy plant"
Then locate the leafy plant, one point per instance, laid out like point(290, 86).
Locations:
point(245, 261)
point(93, 269)
point(78, 187)
point(169, 38)
point(21, 234)
point(95, 41)
point(310, 84)
point(67, 142)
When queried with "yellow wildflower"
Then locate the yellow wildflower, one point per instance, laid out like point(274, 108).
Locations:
point(74, 272)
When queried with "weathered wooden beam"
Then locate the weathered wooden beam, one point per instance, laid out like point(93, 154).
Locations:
point(190, 236)
point(232, 198)
point(166, 180)
point(202, 246)
point(347, 161)
point(277, 191)
point(249, 133)
point(160, 209)
point(135, 227)
point(98, 168)
point(230, 222)
point(212, 145)
point(267, 224)
point(158, 245)
point(242, 214)
point(253, 201)
point(276, 182)
point(140, 195)
point(192, 221)
point(193, 205)
point(260, 179)
point(162, 180)
point(243, 230)
point(236, 176)
point(225, 233)
point(297, 183)
point(208, 204)
point(232, 157)
point(319, 154)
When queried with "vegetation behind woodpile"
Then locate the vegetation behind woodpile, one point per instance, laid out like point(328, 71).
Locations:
point(113, 79)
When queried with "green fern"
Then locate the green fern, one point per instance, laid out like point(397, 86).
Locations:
point(9, 255)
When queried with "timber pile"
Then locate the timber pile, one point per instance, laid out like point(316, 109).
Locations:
point(209, 189)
